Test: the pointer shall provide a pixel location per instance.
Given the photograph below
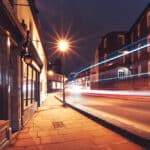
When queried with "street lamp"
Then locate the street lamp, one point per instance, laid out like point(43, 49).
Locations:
point(63, 46)
point(51, 72)
point(25, 53)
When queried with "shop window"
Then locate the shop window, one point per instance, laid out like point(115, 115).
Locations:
point(29, 85)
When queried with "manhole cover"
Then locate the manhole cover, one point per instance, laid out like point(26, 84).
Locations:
point(58, 124)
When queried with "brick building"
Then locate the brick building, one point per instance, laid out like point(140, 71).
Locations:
point(124, 57)
point(23, 86)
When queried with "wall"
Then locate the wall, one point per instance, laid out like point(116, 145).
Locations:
point(24, 13)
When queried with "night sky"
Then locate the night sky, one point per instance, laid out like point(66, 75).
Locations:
point(88, 21)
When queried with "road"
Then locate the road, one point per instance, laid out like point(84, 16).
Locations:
point(132, 115)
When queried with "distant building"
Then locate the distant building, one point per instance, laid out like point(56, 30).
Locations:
point(55, 81)
point(23, 87)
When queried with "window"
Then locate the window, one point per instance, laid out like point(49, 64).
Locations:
point(132, 57)
point(132, 37)
point(148, 20)
point(139, 52)
point(105, 56)
point(121, 40)
point(11, 2)
point(149, 68)
point(121, 74)
point(148, 42)
point(31, 30)
point(105, 42)
point(138, 30)
point(124, 59)
point(139, 70)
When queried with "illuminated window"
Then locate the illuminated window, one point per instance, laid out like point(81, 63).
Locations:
point(54, 86)
point(105, 43)
point(121, 74)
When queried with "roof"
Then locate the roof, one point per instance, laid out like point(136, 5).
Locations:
point(114, 32)
point(140, 16)
point(38, 24)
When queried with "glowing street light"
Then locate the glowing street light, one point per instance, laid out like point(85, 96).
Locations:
point(63, 46)
point(50, 72)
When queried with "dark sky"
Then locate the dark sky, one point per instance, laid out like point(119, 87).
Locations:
point(89, 20)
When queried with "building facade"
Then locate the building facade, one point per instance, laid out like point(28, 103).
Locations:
point(125, 57)
point(23, 86)
point(54, 81)
point(122, 59)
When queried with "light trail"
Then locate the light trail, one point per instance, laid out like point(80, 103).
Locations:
point(124, 77)
point(113, 58)
point(111, 92)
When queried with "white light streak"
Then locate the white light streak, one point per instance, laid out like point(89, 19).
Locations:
point(113, 58)
point(117, 92)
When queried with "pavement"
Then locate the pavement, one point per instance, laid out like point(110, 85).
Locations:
point(54, 127)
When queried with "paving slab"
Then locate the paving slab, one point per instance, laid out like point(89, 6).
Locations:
point(54, 127)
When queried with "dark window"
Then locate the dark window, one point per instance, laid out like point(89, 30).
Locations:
point(11, 2)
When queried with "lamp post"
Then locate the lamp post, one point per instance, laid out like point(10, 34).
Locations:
point(63, 46)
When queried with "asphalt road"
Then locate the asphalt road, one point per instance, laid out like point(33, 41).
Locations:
point(133, 115)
